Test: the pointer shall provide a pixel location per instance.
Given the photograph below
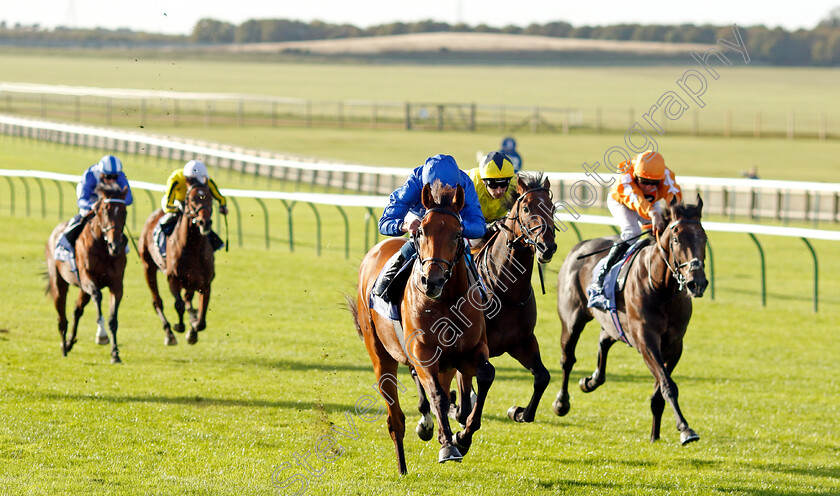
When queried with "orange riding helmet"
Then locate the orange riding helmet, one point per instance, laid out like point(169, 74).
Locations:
point(649, 165)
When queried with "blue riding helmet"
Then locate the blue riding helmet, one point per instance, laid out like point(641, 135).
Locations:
point(443, 168)
point(508, 144)
point(110, 165)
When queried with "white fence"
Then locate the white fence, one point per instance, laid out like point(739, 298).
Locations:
point(756, 199)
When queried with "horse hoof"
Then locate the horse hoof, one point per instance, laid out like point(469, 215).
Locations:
point(192, 337)
point(102, 339)
point(116, 359)
point(515, 413)
point(561, 405)
point(424, 433)
point(170, 340)
point(462, 443)
point(179, 328)
point(688, 436)
point(449, 454)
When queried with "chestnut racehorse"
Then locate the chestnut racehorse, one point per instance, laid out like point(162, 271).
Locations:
point(189, 265)
point(100, 259)
point(440, 329)
point(653, 309)
point(506, 264)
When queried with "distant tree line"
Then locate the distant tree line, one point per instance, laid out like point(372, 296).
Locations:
point(818, 46)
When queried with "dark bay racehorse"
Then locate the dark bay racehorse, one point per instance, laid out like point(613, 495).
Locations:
point(506, 264)
point(189, 265)
point(100, 259)
point(653, 309)
point(441, 329)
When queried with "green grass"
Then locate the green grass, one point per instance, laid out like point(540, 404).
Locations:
point(280, 364)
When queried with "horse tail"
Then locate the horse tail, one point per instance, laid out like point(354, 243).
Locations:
point(354, 310)
point(46, 275)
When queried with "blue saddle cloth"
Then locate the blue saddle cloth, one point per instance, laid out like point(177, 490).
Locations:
point(605, 300)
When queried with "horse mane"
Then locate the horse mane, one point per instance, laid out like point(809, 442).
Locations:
point(532, 180)
point(687, 211)
point(442, 194)
point(109, 189)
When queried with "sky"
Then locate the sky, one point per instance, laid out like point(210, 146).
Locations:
point(179, 16)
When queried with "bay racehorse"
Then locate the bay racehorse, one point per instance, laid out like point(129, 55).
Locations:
point(189, 264)
point(506, 264)
point(440, 328)
point(654, 308)
point(100, 262)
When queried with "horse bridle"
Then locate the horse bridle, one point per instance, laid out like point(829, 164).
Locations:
point(693, 264)
point(528, 236)
point(450, 264)
point(108, 200)
point(189, 211)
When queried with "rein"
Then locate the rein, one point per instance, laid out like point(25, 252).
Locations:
point(692, 264)
point(191, 212)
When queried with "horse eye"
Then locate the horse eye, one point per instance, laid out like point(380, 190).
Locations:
point(676, 240)
point(526, 209)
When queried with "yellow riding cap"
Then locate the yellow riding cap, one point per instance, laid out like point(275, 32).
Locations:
point(648, 165)
point(495, 165)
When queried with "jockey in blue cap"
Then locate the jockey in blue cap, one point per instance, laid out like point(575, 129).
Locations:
point(405, 209)
point(108, 170)
point(509, 149)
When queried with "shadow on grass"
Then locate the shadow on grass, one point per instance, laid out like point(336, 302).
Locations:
point(313, 366)
point(205, 402)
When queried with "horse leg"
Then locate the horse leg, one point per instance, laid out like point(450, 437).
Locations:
point(466, 397)
point(58, 290)
point(116, 298)
point(426, 424)
point(591, 383)
point(657, 406)
point(528, 354)
point(83, 300)
point(101, 334)
point(440, 407)
point(385, 369)
point(175, 288)
point(191, 311)
point(201, 323)
point(157, 302)
point(667, 387)
point(568, 342)
point(484, 374)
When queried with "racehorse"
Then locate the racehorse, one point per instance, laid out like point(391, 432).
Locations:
point(440, 329)
point(653, 309)
point(100, 260)
point(506, 265)
point(189, 263)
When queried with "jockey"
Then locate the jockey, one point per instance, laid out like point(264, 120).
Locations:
point(636, 199)
point(407, 200)
point(492, 181)
point(108, 170)
point(509, 149)
point(194, 172)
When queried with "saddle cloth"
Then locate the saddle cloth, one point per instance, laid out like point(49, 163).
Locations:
point(615, 279)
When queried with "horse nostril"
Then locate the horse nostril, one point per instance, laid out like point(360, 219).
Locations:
point(423, 280)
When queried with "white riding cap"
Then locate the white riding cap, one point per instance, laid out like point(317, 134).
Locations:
point(197, 170)
point(110, 165)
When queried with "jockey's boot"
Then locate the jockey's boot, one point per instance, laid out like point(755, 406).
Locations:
point(615, 253)
point(388, 275)
point(215, 241)
point(73, 229)
point(167, 222)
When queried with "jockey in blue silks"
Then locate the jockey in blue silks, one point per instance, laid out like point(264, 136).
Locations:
point(407, 201)
point(108, 170)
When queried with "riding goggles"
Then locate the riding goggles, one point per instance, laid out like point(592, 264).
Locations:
point(497, 183)
point(648, 182)
point(110, 177)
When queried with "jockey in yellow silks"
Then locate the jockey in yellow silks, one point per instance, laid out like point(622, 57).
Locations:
point(176, 194)
point(495, 187)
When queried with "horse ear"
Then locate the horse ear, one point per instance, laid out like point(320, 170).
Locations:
point(699, 206)
point(521, 187)
point(426, 196)
point(459, 198)
point(546, 184)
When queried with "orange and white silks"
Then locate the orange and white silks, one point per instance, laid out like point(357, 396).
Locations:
point(629, 194)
